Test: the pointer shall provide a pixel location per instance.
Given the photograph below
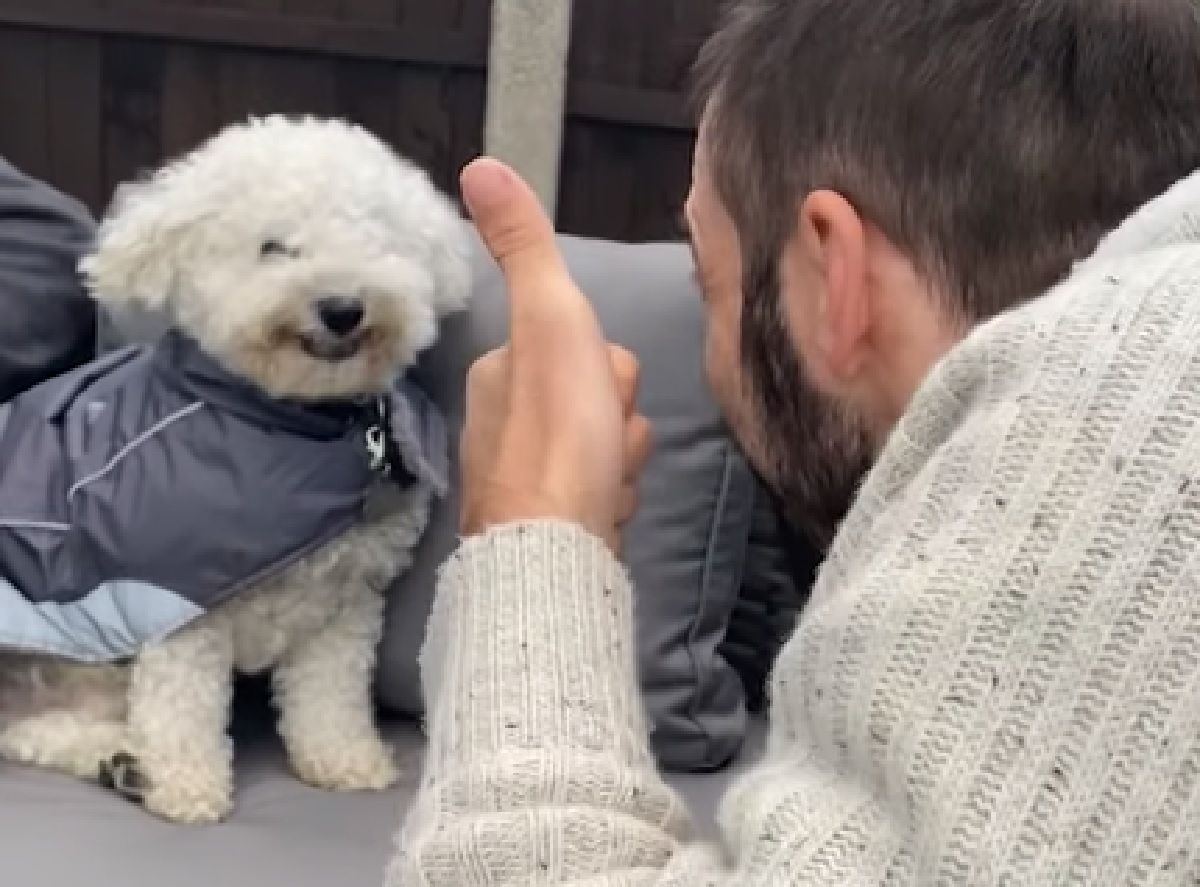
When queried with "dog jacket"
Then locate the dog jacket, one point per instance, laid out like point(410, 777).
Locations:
point(147, 487)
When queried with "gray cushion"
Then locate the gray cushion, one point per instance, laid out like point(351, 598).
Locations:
point(686, 546)
point(48, 324)
point(58, 832)
point(780, 568)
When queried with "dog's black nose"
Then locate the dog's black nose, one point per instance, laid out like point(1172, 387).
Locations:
point(341, 316)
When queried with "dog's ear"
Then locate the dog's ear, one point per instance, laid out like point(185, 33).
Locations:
point(450, 260)
point(142, 244)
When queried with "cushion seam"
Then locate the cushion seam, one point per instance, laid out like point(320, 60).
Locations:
point(715, 530)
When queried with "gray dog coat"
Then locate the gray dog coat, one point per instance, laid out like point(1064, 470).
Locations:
point(143, 489)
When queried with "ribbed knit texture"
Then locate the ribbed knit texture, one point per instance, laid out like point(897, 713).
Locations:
point(997, 681)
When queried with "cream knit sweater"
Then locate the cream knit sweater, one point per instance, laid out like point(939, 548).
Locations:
point(997, 681)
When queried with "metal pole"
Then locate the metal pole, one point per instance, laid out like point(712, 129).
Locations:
point(527, 85)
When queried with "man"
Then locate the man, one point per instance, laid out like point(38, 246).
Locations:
point(997, 681)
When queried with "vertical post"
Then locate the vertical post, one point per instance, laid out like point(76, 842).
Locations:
point(526, 93)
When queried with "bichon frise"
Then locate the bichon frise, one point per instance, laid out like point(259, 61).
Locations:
point(237, 496)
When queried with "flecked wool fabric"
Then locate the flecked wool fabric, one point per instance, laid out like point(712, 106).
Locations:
point(996, 682)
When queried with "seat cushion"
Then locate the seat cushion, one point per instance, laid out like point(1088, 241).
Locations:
point(61, 833)
point(780, 569)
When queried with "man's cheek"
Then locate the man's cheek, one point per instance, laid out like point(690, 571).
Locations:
point(724, 382)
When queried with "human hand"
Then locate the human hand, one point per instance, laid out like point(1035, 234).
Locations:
point(551, 427)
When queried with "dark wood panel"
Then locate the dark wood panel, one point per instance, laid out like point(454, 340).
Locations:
point(645, 43)
point(315, 9)
point(250, 28)
point(24, 120)
point(678, 29)
point(595, 183)
point(443, 15)
point(624, 36)
point(365, 92)
point(259, 83)
point(439, 121)
point(423, 124)
point(74, 111)
point(665, 169)
point(623, 183)
point(191, 102)
point(376, 12)
point(474, 16)
point(468, 100)
point(132, 110)
point(263, 6)
point(631, 106)
point(96, 91)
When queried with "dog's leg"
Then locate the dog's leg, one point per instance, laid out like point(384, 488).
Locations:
point(323, 691)
point(179, 707)
point(74, 743)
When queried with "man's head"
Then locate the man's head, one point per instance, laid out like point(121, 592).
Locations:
point(872, 177)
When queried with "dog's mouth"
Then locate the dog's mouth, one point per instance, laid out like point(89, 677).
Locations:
point(333, 349)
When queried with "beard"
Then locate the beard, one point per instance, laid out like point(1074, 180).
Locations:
point(811, 450)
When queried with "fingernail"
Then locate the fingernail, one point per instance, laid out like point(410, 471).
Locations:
point(486, 184)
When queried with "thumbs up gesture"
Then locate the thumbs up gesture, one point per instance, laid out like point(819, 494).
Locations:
point(552, 429)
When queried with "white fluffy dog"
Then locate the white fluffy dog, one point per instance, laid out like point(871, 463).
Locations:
point(306, 257)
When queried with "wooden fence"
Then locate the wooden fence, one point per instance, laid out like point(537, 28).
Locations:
point(93, 91)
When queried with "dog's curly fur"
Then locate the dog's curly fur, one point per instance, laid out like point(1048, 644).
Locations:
point(237, 241)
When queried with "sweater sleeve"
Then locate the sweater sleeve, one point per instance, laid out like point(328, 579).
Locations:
point(538, 768)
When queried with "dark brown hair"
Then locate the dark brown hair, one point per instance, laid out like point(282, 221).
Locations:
point(994, 140)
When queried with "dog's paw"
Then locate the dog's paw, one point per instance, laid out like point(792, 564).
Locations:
point(203, 801)
point(187, 807)
point(363, 766)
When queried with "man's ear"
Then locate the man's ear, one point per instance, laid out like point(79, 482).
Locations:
point(834, 239)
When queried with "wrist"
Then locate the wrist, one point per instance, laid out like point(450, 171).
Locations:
point(509, 507)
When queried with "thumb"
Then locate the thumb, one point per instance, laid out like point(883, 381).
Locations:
point(520, 237)
point(511, 221)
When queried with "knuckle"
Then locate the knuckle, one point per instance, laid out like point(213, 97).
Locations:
point(476, 371)
point(641, 431)
point(487, 363)
point(625, 363)
point(511, 237)
point(485, 374)
point(525, 251)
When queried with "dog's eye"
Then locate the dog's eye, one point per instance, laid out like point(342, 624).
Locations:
point(273, 249)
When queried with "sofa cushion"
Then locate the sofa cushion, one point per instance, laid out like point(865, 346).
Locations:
point(59, 832)
point(780, 569)
point(686, 546)
point(49, 325)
